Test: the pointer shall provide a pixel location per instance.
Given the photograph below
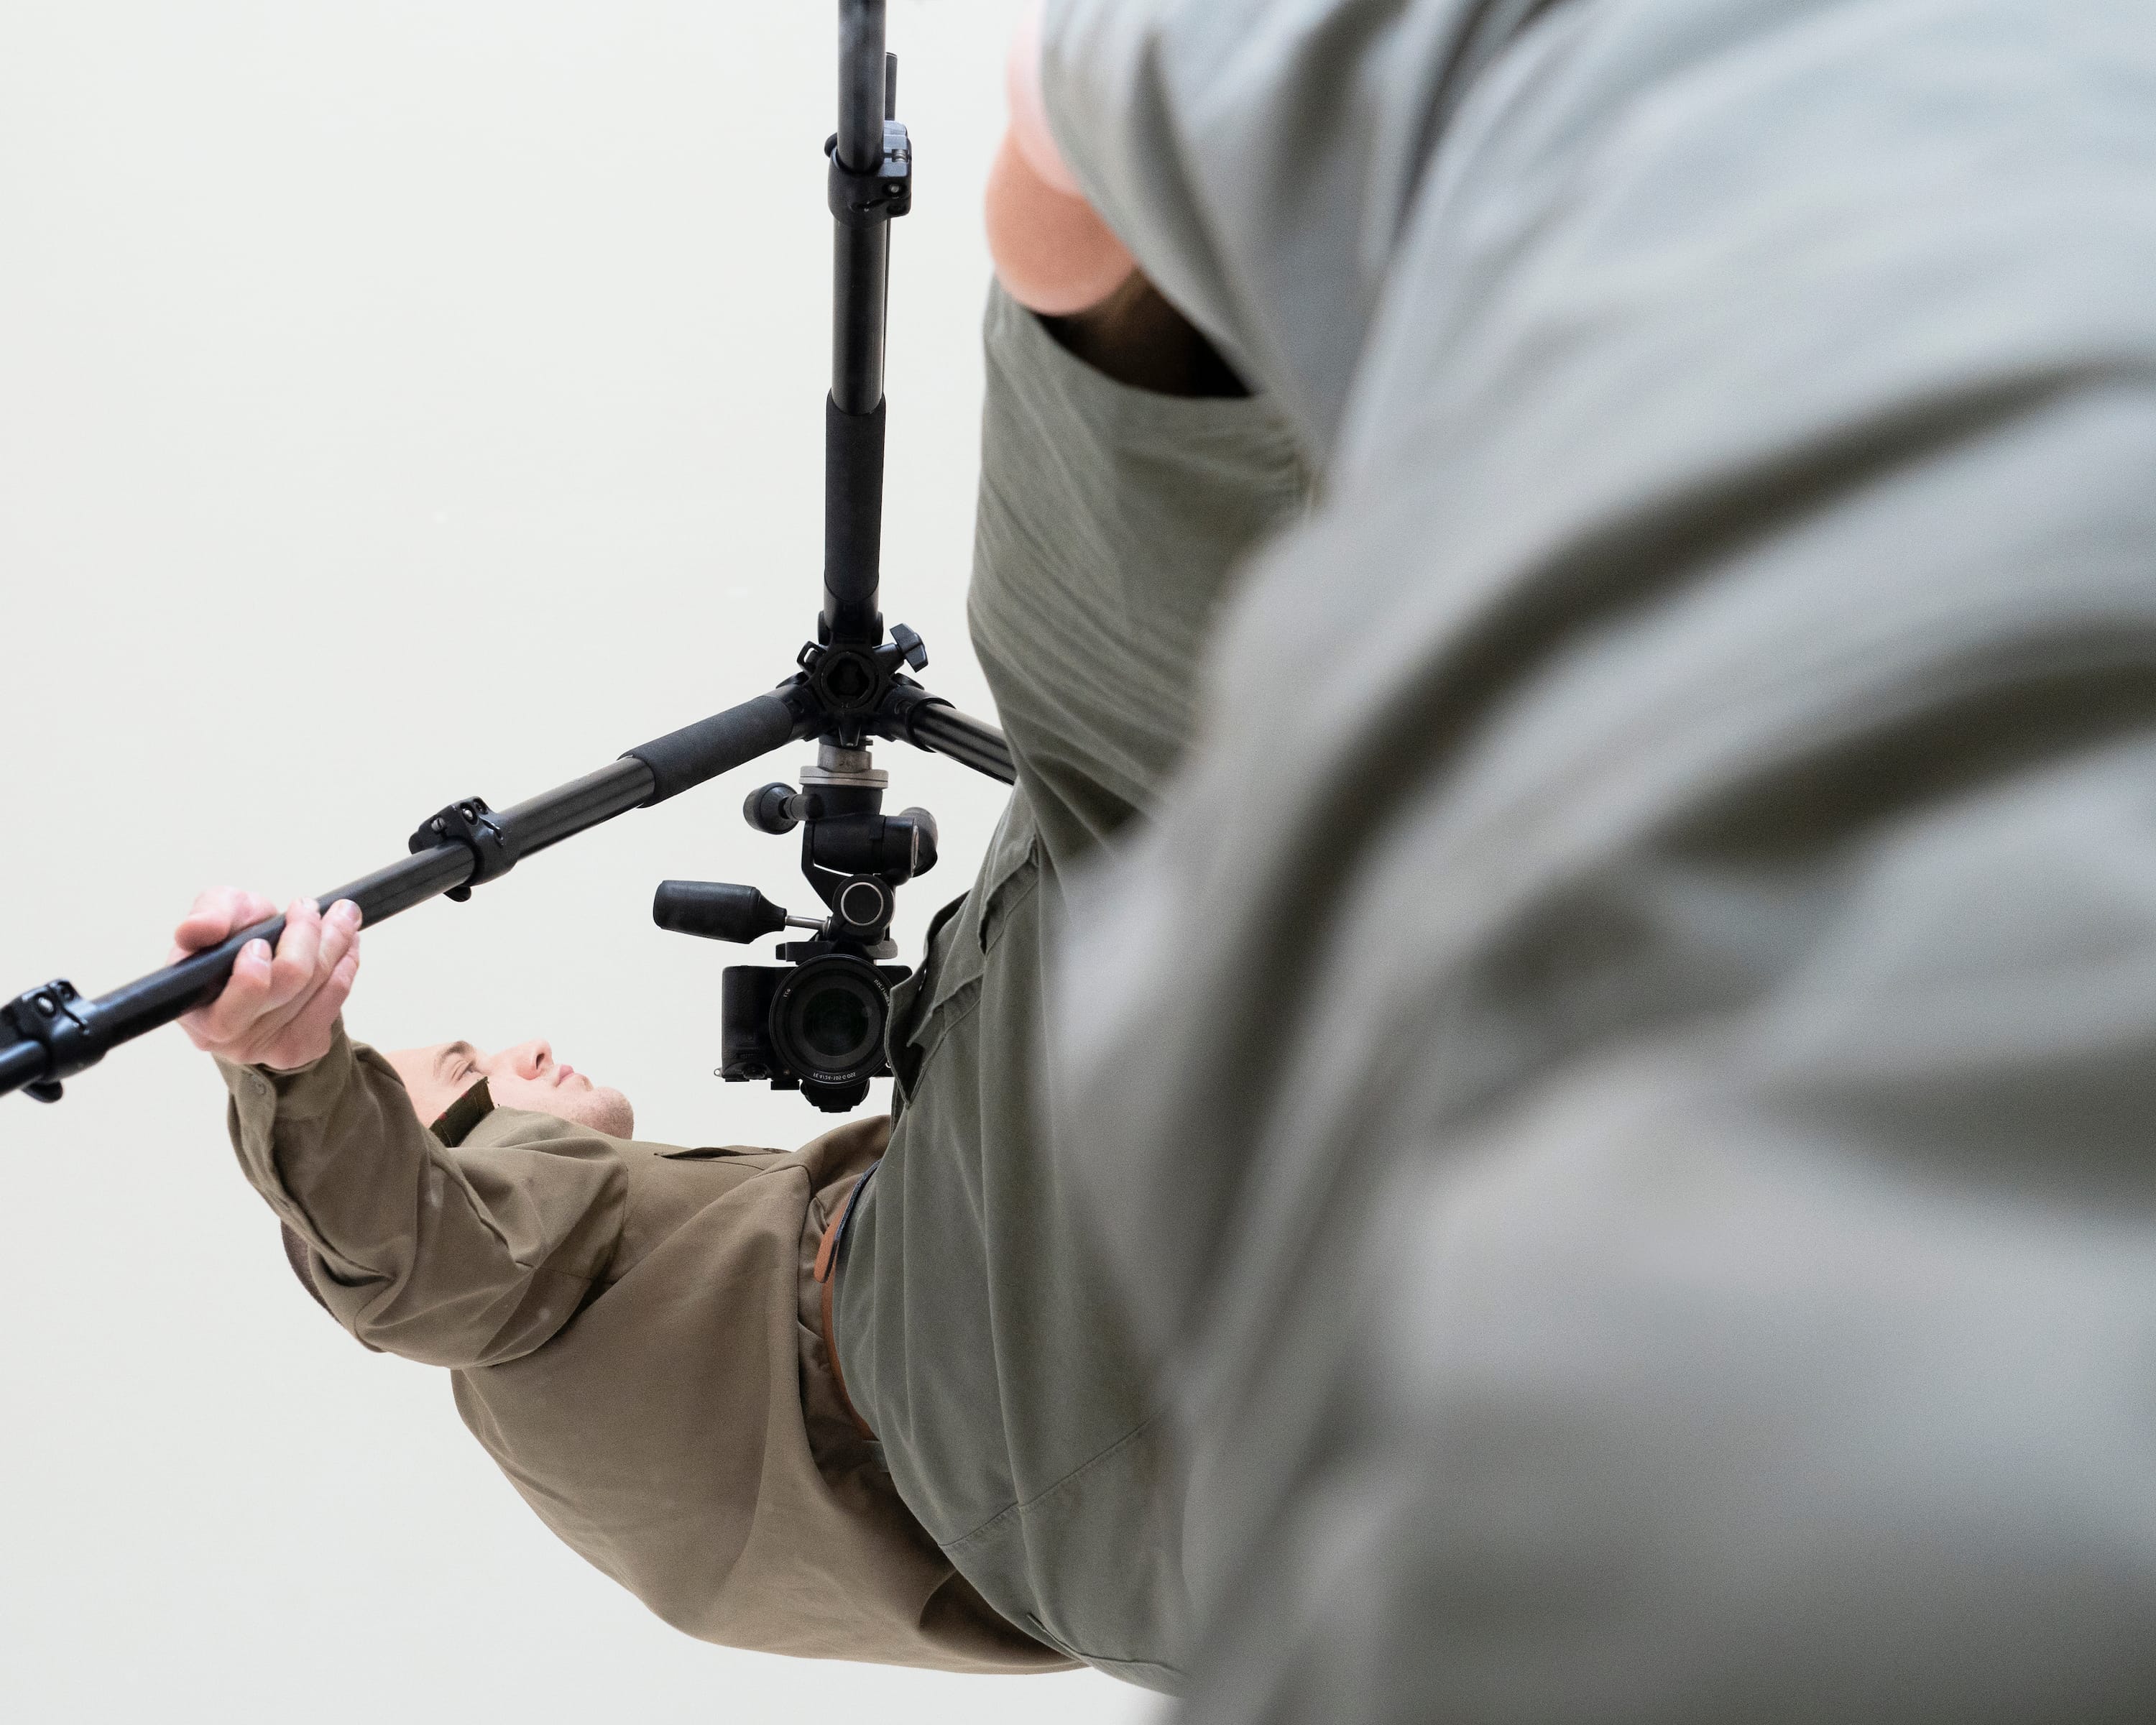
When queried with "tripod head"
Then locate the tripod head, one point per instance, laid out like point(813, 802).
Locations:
point(815, 1022)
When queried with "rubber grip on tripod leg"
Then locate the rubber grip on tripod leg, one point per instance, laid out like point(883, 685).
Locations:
point(853, 523)
point(681, 760)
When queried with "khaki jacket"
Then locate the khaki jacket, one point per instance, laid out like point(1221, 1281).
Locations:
point(633, 1333)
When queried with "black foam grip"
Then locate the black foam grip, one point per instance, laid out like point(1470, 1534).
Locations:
point(683, 759)
point(853, 520)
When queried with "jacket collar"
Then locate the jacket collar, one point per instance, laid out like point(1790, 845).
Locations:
point(460, 1117)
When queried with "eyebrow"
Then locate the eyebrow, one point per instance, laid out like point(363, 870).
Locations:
point(442, 1060)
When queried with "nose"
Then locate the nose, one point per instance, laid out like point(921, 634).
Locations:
point(528, 1060)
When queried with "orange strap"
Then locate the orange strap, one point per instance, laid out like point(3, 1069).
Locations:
point(827, 1262)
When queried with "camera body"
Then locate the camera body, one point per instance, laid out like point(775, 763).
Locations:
point(817, 1026)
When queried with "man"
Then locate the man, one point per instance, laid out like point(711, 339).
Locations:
point(1622, 1079)
point(633, 1330)
point(980, 1477)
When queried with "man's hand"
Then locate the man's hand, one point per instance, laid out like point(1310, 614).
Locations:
point(276, 1011)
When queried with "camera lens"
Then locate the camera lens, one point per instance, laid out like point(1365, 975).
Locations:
point(827, 1019)
point(835, 1023)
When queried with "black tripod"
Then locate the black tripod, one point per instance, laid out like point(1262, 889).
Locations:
point(818, 1025)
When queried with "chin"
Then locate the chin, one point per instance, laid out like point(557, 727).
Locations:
point(602, 1110)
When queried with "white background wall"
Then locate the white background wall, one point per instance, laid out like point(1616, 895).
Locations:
point(400, 399)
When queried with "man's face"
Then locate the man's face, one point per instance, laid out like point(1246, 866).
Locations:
point(526, 1076)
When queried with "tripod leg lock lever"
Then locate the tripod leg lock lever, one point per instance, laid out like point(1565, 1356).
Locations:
point(885, 190)
point(469, 822)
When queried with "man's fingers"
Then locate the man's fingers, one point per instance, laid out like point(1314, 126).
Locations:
point(233, 1012)
point(292, 972)
point(217, 913)
point(219, 903)
point(306, 1038)
point(339, 934)
point(333, 936)
point(272, 1009)
point(277, 1007)
point(229, 1016)
point(287, 1031)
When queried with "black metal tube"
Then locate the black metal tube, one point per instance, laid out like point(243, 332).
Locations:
point(557, 814)
point(973, 742)
point(852, 526)
point(684, 757)
point(861, 84)
point(861, 256)
point(860, 282)
point(861, 289)
point(137, 1008)
point(392, 890)
point(21, 1063)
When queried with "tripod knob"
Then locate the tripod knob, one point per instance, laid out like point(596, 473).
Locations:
point(767, 809)
point(863, 907)
point(922, 824)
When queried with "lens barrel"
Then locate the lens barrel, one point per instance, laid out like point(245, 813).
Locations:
point(828, 1018)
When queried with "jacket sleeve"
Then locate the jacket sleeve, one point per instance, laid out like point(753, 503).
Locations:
point(460, 1257)
point(1259, 158)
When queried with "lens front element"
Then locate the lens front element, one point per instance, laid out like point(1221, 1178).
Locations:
point(827, 1020)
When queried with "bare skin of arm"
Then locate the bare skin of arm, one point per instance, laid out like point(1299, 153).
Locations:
point(1057, 258)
